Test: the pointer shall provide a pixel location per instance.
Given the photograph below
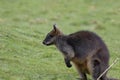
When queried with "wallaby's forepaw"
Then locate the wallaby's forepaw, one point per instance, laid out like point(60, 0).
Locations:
point(69, 65)
point(67, 62)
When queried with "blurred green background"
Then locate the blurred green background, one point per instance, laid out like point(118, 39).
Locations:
point(24, 24)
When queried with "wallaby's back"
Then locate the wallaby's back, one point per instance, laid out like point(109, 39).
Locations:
point(85, 42)
point(92, 55)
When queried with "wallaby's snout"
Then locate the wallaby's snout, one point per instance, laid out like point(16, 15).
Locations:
point(44, 42)
point(47, 41)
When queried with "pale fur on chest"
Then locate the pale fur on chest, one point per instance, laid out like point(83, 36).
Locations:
point(66, 49)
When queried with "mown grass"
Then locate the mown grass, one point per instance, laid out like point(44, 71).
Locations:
point(24, 24)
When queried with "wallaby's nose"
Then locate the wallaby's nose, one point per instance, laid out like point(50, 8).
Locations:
point(44, 42)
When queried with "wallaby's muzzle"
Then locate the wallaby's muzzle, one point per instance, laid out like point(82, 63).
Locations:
point(48, 41)
point(44, 42)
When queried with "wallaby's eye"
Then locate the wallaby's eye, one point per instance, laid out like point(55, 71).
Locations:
point(51, 35)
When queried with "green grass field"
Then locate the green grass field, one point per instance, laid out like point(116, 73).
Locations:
point(24, 24)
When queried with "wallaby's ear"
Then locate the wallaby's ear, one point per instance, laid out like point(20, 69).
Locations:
point(55, 27)
point(56, 30)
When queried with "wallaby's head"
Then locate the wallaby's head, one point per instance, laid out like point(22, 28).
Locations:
point(51, 36)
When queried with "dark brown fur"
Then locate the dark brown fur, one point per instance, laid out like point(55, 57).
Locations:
point(85, 49)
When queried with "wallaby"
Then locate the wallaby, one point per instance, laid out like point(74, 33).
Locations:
point(84, 49)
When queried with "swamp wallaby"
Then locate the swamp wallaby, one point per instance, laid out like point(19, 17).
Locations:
point(84, 49)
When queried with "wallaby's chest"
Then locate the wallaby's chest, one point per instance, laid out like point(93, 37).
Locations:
point(65, 48)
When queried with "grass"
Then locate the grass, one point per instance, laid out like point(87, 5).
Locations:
point(24, 24)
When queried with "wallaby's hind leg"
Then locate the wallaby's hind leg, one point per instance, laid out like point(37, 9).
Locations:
point(96, 69)
point(83, 76)
point(103, 68)
point(99, 68)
